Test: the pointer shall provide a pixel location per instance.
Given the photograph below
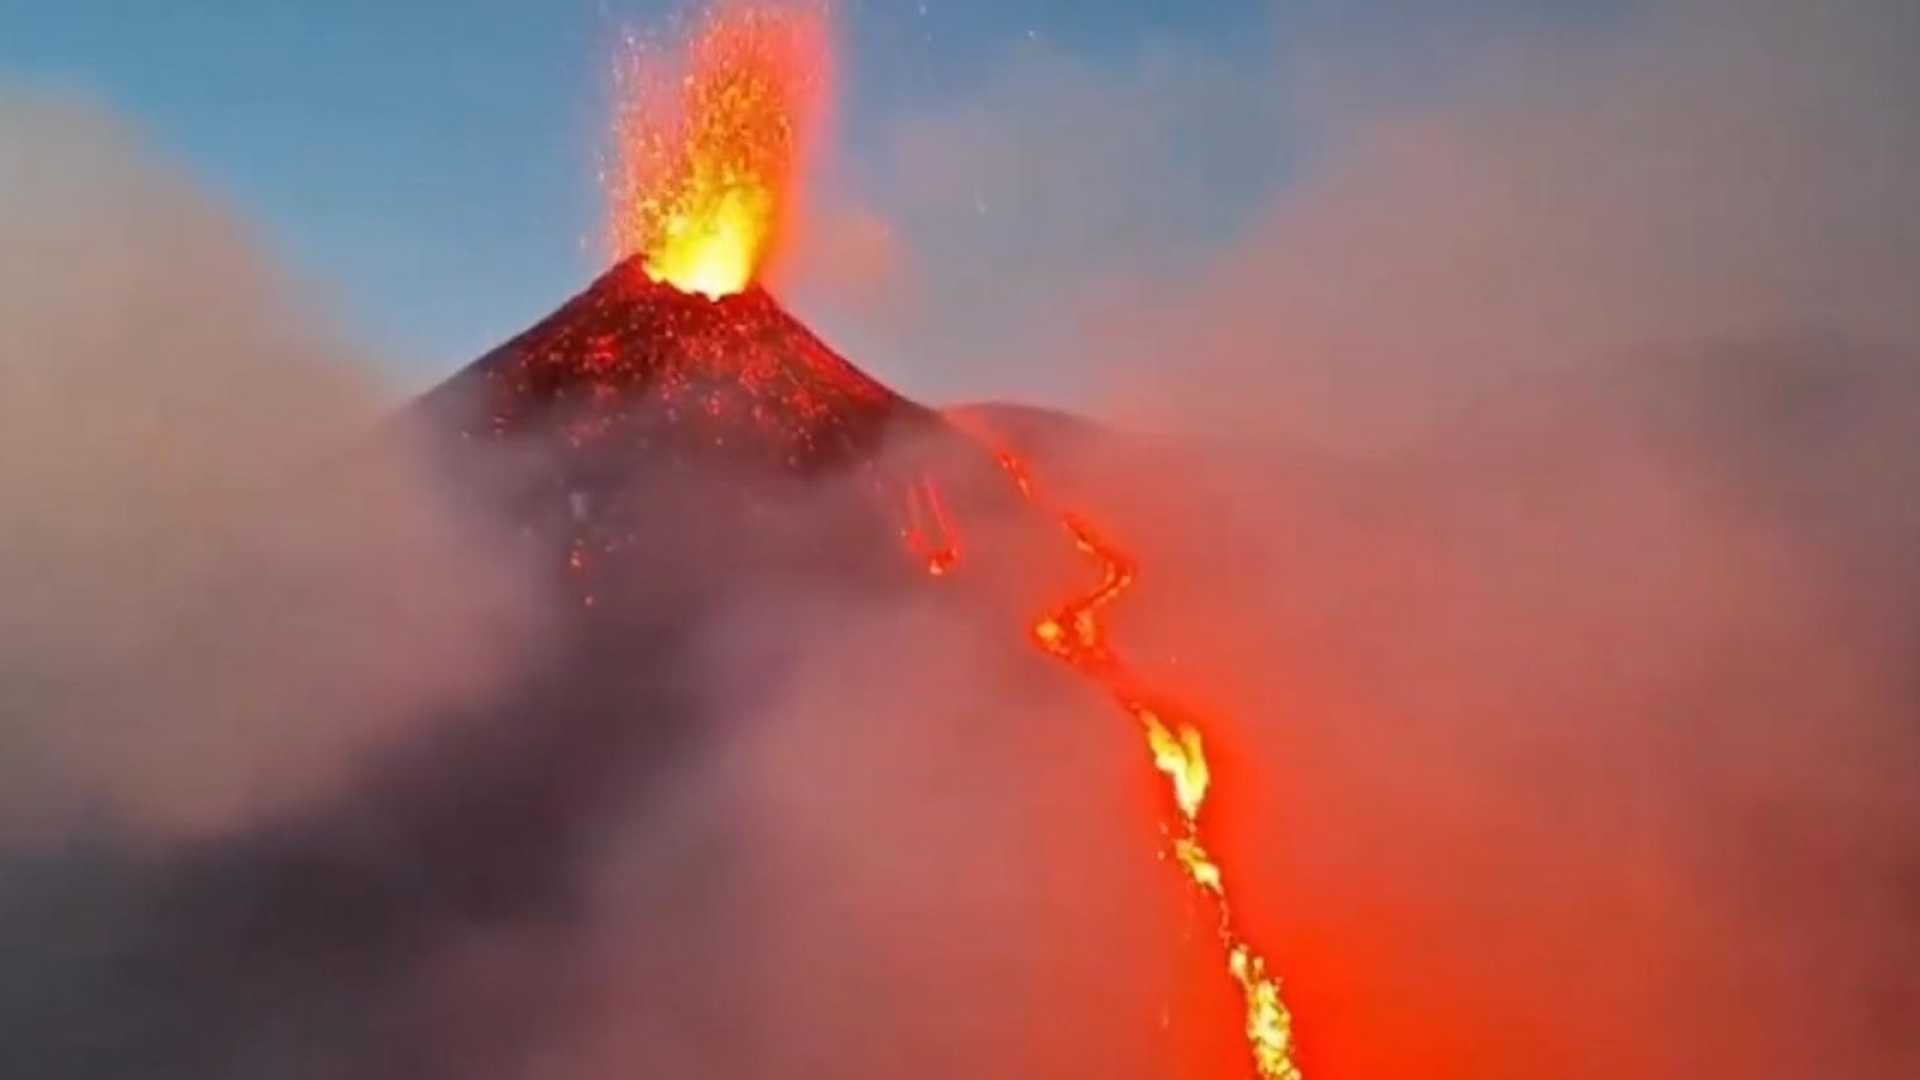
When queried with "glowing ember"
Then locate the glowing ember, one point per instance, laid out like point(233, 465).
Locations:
point(709, 156)
point(1074, 634)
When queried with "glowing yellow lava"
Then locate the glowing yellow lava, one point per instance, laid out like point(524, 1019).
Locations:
point(713, 242)
point(1075, 635)
point(707, 162)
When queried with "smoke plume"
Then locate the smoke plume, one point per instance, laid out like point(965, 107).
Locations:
point(222, 584)
point(231, 588)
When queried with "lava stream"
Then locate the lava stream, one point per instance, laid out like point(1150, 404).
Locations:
point(929, 534)
point(1074, 634)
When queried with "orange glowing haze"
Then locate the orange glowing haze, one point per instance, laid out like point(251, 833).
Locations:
point(712, 144)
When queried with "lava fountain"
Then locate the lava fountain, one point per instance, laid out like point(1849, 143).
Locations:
point(712, 146)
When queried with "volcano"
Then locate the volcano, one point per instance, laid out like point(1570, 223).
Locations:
point(636, 378)
point(633, 366)
point(637, 404)
point(682, 446)
point(702, 499)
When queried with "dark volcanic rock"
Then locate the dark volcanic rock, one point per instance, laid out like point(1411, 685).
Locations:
point(641, 370)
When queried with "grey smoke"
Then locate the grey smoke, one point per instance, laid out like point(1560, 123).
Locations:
point(222, 585)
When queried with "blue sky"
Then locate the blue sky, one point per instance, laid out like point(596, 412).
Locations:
point(430, 165)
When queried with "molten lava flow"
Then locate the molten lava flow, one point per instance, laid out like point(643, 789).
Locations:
point(1074, 634)
point(929, 533)
point(708, 161)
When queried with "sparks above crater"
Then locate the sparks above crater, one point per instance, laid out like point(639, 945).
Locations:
point(711, 145)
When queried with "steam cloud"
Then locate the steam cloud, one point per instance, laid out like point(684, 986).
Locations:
point(222, 586)
point(227, 592)
point(1529, 492)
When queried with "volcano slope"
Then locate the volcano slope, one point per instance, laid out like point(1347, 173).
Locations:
point(665, 456)
point(637, 417)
